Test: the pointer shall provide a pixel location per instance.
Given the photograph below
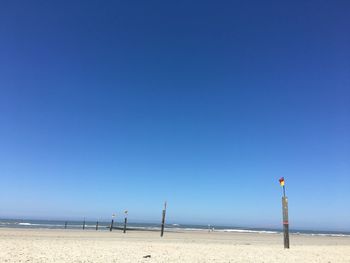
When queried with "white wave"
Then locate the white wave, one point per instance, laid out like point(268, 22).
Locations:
point(47, 225)
point(27, 224)
point(146, 227)
point(186, 229)
point(246, 231)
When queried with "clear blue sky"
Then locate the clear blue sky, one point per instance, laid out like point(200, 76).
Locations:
point(113, 105)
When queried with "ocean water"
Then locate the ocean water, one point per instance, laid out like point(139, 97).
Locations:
point(104, 226)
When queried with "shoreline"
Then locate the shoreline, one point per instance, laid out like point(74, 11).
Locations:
point(181, 230)
point(137, 226)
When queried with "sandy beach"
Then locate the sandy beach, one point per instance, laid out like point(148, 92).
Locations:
point(29, 245)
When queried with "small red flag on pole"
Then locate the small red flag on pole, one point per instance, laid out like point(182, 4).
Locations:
point(281, 181)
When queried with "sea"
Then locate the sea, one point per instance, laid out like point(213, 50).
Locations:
point(105, 226)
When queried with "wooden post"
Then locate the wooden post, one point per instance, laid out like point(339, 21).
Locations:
point(111, 227)
point(285, 214)
point(163, 220)
point(96, 225)
point(84, 224)
point(65, 225)
point(125, 221)
point(285, 221)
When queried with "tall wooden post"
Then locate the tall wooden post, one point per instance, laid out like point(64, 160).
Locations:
point(65, 225)
point(96, 225)
point(285, 221)
point(84, 224)
point(285, 215)
point(125, 221)
point(163, 220)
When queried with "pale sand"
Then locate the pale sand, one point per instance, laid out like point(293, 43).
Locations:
point(24, 245)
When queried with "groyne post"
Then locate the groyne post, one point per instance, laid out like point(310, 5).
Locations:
point(163, 220)
point(125, 221)
point(112, 222)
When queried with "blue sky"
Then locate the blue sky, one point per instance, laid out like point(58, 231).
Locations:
point(124, 104)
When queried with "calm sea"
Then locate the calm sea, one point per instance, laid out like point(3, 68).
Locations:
point(104, 226)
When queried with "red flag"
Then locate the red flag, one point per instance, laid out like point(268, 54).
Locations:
point(281, 181)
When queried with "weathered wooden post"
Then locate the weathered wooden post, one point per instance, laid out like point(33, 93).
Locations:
point(285, 215)
point(163, 220)
point(111, 227)
point(84, 224)
point(125, 221)
point(65, 225)
point(96, 225)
